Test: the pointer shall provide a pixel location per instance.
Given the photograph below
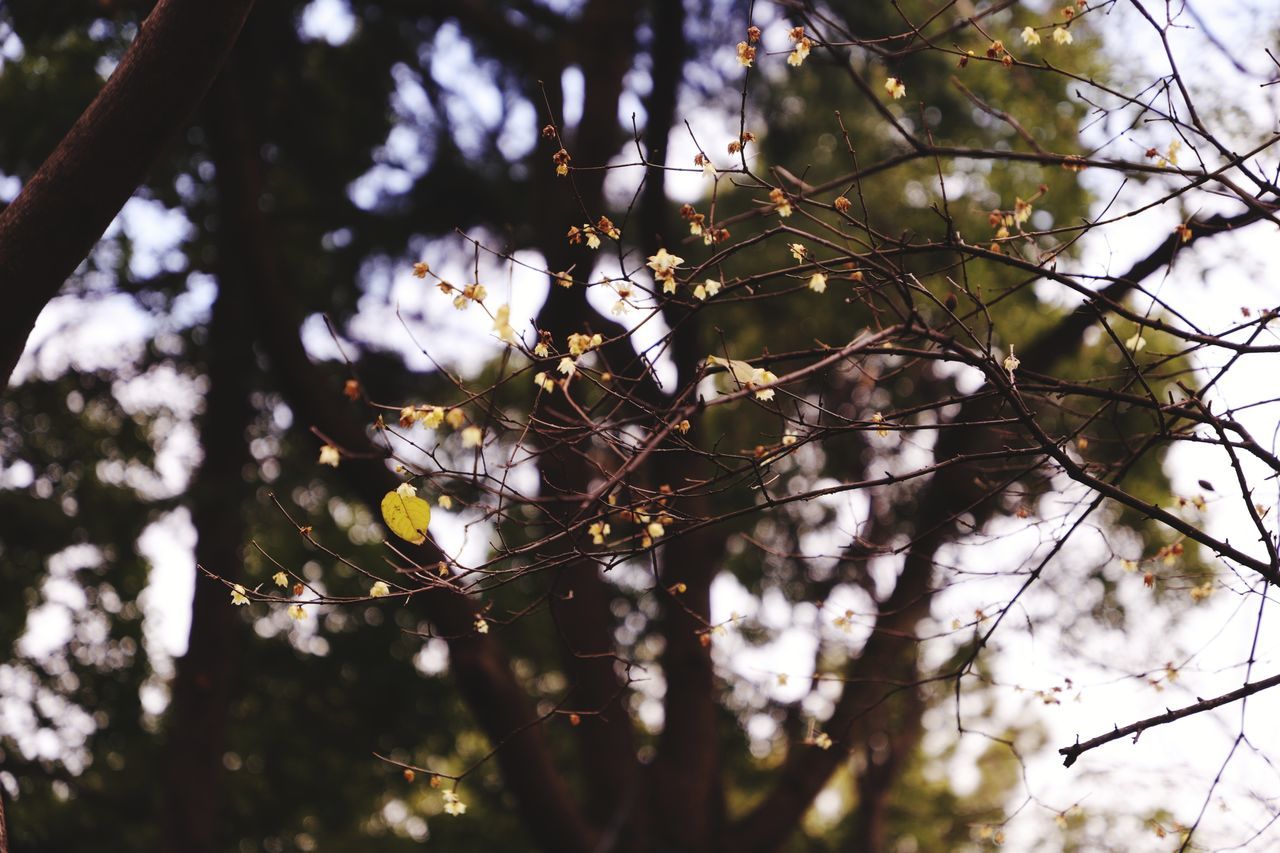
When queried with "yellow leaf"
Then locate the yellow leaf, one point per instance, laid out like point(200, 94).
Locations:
point(406, 516)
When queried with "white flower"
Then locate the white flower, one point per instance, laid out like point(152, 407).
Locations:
point(761, 378)
point(1030, 36)
point(1136, 343)
point(379, 589)
point(405, 490)
point(567, 366)
point(329, 455)
point(818, 283)
point(481, 626)
point(1062, 35)
point(895, 88)
point(238, 597)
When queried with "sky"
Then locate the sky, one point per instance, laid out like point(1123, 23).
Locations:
point(1171, 766)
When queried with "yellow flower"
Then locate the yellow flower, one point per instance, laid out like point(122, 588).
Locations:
point(881, 431)
point(655, 529)
point(563, 279)
point(481, 625)
point(379, 589)
point(1011, 363)
point(818, 283)
point(502, 324)
point(664, 263)
point(799, 54)
point(420, 269)
point(452, 805)
point(798, 251)
point(567, 366)
point(432, 417)
point(540, 349)
point(280, 579)
point(405, 490)
point(455, 418)
point(1136, 343)
point(1021, 211)
point(297, 613)
point(579, 343)
point(329, 455)
point(445, 502)
point(597, 531)
point(895, 88)
point(1030, 36)
point(746, 54)
point(238, 596)
point(780, 202)
point(788, 439)
point(543, 381)
point(822, 740)
point(472, 436)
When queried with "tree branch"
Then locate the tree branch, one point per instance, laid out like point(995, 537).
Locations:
point(1073, 752)
point(501, 706)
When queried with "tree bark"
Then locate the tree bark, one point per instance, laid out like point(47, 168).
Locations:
point(4, 830)
point(202, 692)
point(65, 207)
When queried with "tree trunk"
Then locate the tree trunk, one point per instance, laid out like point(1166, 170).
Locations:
point(202, 693)
point(62, 211)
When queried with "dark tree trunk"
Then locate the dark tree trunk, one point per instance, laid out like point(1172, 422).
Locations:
point(62, 211)
point(202, 691)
